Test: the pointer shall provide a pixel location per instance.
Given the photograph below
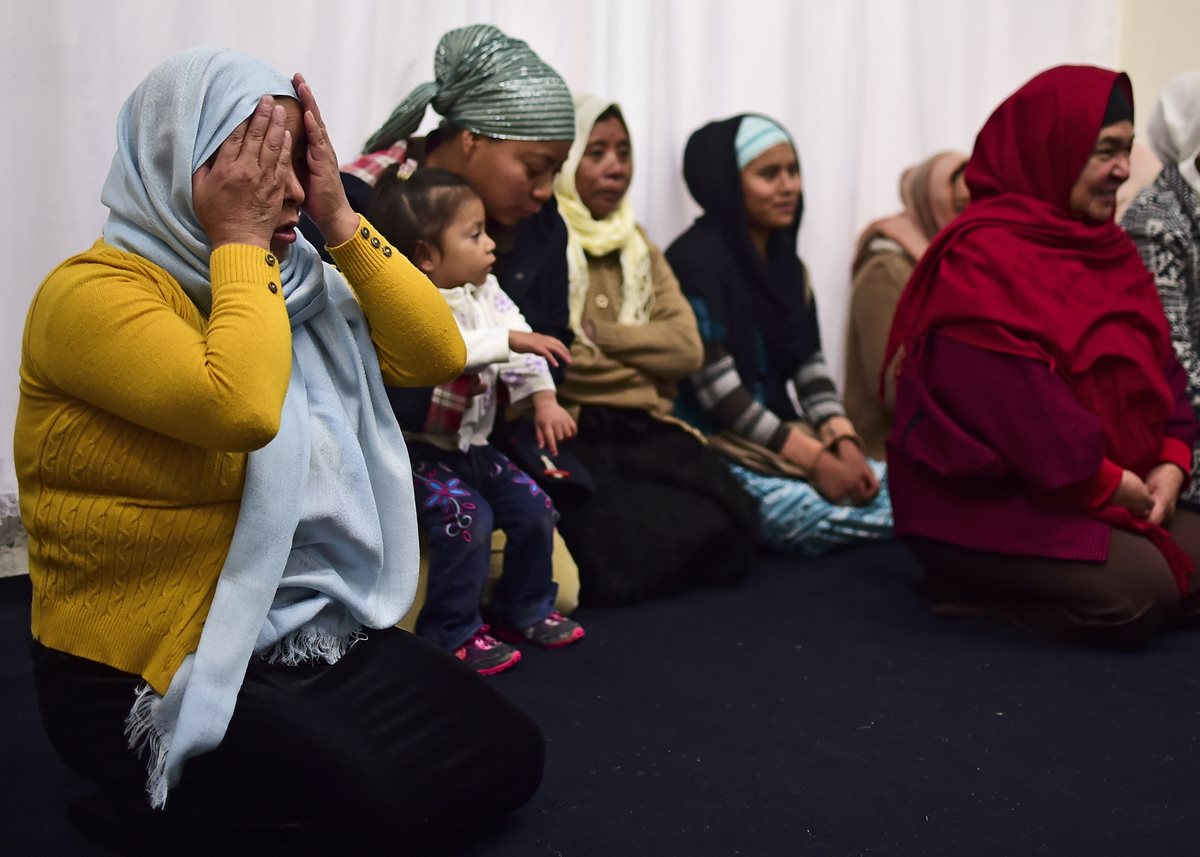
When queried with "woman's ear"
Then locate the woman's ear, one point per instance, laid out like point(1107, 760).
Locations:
point(426, 257)
point(469, 143)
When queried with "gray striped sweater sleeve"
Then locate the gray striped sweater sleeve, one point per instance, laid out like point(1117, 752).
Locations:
point(816, 391)
point(721, 392)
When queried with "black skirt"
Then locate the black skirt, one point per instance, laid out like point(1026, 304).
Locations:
point(666, 514)
point(397, 746)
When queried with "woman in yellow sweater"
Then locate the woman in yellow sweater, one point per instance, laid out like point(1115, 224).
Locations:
point(222, 527)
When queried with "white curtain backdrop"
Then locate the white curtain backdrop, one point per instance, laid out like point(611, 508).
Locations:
point(866, 86)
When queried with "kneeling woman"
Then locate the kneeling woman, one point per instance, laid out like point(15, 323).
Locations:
point(764, 393)
point(220, 507)
point(666, 514)
point(1043, 431)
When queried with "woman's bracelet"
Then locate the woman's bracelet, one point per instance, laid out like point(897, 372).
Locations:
point(832, 443)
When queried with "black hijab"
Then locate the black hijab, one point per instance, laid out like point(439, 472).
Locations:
point(743, 294)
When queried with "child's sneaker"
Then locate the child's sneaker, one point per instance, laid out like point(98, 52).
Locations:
point(487, 655)
point(552, 632)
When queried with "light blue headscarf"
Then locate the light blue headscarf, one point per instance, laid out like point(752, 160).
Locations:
point(326, 537)
point(755, 135)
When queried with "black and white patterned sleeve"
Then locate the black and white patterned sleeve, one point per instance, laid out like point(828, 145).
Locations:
point(721, 392)
point(1170, 248)
point(816, 390)
point(1170, 255)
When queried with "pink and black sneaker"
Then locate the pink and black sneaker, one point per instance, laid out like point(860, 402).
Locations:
point(553, 632)
point(487, 655)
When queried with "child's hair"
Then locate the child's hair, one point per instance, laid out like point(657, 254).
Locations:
point(418, 208)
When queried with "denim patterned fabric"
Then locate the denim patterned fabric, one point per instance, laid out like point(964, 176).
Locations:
point(796, 519)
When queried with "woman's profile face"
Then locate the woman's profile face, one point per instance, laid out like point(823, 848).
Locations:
point(606, 168)
point(1094, 195)
point(514, 178)
point(771, 188)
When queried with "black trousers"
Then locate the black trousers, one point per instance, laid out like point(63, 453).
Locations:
point(667, 514)
point(396, 746)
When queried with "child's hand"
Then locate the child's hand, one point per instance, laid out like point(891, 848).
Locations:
point(476, 386)
point(539, 344)
point(553, 423)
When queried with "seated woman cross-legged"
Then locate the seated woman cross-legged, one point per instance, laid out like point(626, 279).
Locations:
point(667, 514)
point(1042, 430)
point(220, 506)
point(765, 395)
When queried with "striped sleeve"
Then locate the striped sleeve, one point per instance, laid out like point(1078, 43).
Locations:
point(817, 393)
point(720, 391)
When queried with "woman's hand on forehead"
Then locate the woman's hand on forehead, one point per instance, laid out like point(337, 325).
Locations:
point(324, 197)
point(239, 193)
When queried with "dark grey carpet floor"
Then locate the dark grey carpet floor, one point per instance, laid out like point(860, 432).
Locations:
point(818, 710)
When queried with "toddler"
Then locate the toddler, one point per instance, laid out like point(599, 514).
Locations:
point(466, 487)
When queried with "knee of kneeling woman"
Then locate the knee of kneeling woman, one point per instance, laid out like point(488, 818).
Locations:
point(1131, 610)
point(526, 752)
point(509, 771)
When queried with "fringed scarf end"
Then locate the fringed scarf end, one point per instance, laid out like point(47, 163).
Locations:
point(151, 742)
point(311, 644)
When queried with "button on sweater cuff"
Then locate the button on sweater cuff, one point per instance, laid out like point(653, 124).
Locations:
point(363, 254)
point(245, 263)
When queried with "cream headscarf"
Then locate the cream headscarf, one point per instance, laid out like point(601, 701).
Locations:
point(1174, 126)
point(589, 237)
point(928, 196)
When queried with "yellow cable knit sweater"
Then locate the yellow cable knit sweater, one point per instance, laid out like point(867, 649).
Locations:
point(135, 417)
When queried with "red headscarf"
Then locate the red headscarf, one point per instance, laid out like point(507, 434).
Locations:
point(1017, 273)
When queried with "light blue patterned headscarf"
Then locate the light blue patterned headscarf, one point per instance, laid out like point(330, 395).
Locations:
point(326, 537)
point(488, 83)
point(755, 135)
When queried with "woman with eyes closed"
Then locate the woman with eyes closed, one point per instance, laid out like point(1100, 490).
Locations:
point(507, 125)
point(764, 395)
point(222, 525)
point(1043, 430)
point(506, 128)
point(666, 515)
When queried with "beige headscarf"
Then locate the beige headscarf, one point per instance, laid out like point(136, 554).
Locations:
point(1174, 126)
point(589, 237)
point(928, 197)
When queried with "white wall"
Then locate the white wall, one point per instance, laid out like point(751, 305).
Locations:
point(1157, 40)
point(866, 86)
